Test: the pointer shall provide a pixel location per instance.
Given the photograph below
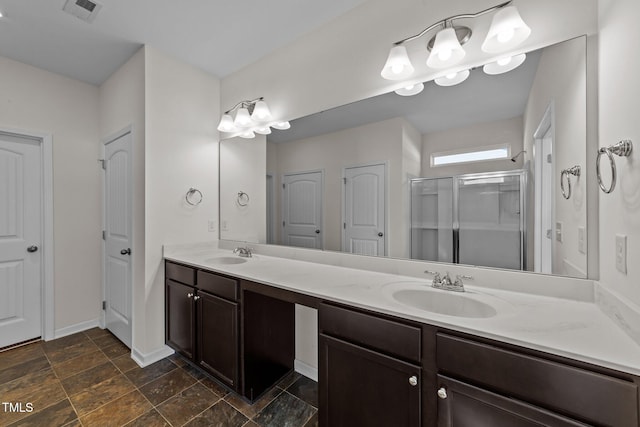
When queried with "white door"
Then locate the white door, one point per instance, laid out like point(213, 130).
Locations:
point(364, 210)
point(118, 254)
point(302, 210)
point(544, 194)
point(20, 239)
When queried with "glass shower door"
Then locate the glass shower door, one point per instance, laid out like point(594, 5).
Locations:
point(432, 219)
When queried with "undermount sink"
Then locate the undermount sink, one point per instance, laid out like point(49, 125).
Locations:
point(226, 260)
point(442, 302)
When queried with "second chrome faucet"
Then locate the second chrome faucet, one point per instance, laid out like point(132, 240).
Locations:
point(446, 283)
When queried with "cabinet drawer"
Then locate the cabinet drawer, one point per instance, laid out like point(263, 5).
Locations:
point(581, 394)
point(180, 273)
point(221, 286)
point(387, 336)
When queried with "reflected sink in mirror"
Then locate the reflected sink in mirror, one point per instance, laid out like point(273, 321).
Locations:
point(444, 302)
point(227, 260)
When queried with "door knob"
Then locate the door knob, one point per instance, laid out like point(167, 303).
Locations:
point(317, 231)
point(125, 251)
point(189, 295)
point(32, 248)
point(442, 393)
point(413, 380)
point(380, 234)
point(196, 298)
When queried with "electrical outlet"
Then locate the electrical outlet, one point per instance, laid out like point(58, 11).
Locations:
point(582, 244)
point(559, 231)
point(211, 225)
point(621, 253)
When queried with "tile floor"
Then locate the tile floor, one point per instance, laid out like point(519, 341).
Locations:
point(89, 379)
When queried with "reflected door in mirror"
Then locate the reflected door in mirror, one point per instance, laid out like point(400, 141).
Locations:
point(302, 210)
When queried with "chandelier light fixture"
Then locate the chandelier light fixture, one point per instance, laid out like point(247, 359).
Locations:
point(507, 31)
point(251, 118)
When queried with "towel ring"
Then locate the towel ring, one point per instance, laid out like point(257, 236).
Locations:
point(190, 199)
point(575, 171)
point(622, 149)
point(243, 198)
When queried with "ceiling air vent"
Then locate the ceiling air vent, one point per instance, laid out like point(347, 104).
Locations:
point(83, 9)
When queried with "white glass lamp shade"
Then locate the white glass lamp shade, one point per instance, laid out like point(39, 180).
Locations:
point(247, 134)
point(261, 112)
point(243, 119)
point(411, 90)
point(446, 51)
point(263, 130)
point(398, 65)
point(281, 125)
point(504, 65)
point(452, 79)
point(507, 31)
point(226, 124)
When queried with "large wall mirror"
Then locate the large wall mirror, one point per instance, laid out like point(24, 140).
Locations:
point(408, 176)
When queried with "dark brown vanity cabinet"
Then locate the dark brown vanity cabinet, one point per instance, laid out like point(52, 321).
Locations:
point(369, 370)
point(202, 317)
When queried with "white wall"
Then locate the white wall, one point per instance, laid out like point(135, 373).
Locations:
point(561, 80)
point(619, 101)
point(32, 99)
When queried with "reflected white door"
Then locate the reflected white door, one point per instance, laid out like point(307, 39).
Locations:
point(544, 194)
point(364, 210)
point(302, 210)
point(118, 254)
point(20, 239)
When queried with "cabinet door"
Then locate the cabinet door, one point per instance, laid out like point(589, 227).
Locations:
point(462, 405)
point(218, 337)
point(180, 318)
point(360, 387)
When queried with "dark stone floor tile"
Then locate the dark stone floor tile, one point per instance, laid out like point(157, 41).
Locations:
point(16, 371)
point(151, 418)
point(219, 415)
point(20, 355)
point(251, 410)
point(251, 424)
point(94, 333)
point(289, 379)
point(55, 415)
point(79, 364)
point(313, 421)
point(159, 390)
point(13, 391)
point(106, 341)
point(177, 360)
point(100, 394)
point(39, 396)
point(124, 363)
point(305, 389)
point(64, 342)
point(286, 410)
point(77, 383)
point(215, 387)
point(141, 376)
point(194, 372)
point(63, 354)
point(116, 350)
point(187, 404)
point(118, 412)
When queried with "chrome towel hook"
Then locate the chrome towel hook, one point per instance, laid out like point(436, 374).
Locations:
point(622, 149)
point(243, 198)
point(193, 196)
point(575, 171)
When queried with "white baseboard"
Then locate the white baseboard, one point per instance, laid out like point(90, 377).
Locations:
point(78, 327)
point(147, 359)
point(306, 370)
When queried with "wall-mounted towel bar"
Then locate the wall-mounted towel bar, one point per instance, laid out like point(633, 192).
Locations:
point(622, 149)
point(243, 198)
point(575, 171)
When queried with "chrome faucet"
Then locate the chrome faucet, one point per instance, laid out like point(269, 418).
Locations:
point(445, 283)
point(243, 252)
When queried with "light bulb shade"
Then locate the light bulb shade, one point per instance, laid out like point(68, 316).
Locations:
point(226, 124)
point(411, 90)
point(507, 31)
point(281, 125)
point(247, 134)
point(447, 50)
point(504, 65)
point(243, 119)
point(398, 65)
point(262, 130)
point(452, 79)
point(261, 112)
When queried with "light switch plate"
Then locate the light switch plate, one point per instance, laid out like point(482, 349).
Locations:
point(559, 231)
point(621, 253)
point(225, 225)
point(211, 225)
point(582, 237)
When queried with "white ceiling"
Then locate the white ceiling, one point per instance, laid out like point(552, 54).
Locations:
point(217, 36)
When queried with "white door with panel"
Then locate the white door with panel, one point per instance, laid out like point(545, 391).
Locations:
point(364, 210)
point(302, 210)
point(118, 213)
point(20, 239)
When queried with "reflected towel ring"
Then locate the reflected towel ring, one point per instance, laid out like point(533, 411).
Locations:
point(575, 171)
point(243, 198)
point(189, 197)
point(622, 149)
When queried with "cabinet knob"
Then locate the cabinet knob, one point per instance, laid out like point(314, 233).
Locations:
point(189, 295)
point(442, 393)
point(413, 380)
point(196, 298)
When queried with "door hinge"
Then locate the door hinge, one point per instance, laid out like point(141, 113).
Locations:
point(104, 235)
point(283, 223)
point(283, 186)
point(103, 163)
point(549, 158)
point(104, 305)
point(344, 180)
point(344, 225)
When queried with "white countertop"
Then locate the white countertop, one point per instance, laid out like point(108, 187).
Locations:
point(574, 329)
